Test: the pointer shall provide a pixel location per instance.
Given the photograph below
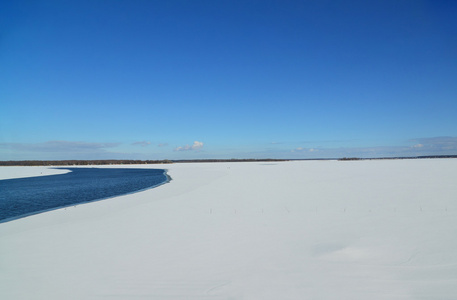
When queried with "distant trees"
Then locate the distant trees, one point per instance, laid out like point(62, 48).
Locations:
point(81, 162)
point(119, 162)
point(166, 161)
point(228, 160)
point(399, 157)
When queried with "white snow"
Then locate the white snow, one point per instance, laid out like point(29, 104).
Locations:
point(21, 172)
point(291, 230)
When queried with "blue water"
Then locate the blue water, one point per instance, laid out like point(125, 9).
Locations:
point(21, 197)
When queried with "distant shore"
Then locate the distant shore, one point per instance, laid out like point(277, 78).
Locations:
point(167, 161)
point(121, 162)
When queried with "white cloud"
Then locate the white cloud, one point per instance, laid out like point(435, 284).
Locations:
point(196, 146)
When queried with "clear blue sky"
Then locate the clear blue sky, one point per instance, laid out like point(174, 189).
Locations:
point(227, 79)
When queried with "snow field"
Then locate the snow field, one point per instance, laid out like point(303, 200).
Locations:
point(289, 230)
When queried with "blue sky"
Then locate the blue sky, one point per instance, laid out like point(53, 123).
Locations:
point(227, 79)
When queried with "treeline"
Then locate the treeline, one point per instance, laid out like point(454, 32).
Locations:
point(350, 158)
point(399, 157)
point(81, 162)
point(121, 162)
point(167, 161)
point(227, 160)
point(438, 156)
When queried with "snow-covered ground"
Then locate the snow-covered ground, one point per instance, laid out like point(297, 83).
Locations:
point(288, 230)
point(21, 172)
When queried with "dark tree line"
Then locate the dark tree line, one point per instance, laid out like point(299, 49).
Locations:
point(350, 158)
point(120, 162)
point(166, 161)
point(81, 162)
point(227, 160)
point(400, 157)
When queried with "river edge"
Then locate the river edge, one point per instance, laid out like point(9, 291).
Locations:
point(58, 171)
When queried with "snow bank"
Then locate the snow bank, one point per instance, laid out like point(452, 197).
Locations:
point(289, 230)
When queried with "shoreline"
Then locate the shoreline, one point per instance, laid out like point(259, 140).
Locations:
point(68, 169)
point(75, 163)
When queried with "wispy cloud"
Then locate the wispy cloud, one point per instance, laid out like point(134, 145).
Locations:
point(441, 143)
point(419, 147)
point(58, 146)
point(196, 146)
point(57, 150)
point(142, 143)
point(301, 149)
point(90, 150)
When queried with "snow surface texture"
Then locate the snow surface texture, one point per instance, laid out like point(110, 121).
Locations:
point(289, 230)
